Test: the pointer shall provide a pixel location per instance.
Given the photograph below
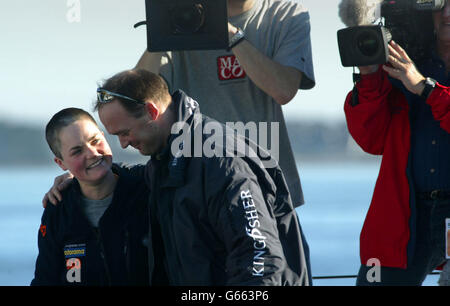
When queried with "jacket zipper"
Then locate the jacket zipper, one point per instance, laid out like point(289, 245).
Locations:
point(102, 254)
point(126, 255)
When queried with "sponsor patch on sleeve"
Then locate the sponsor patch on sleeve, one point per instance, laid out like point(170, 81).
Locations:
point(43, 230)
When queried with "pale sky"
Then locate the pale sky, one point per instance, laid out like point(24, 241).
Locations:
point(48, 63)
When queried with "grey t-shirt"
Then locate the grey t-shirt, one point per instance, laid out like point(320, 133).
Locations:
point(94, 209)
point(215, 79)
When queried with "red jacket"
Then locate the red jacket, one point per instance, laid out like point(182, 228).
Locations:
point(380, 125)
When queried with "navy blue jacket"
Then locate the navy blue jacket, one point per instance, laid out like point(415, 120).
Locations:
point(223, 220)
point(72, 252)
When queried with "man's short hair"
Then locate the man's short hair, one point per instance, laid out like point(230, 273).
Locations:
point(138, 84)
point(60, 120)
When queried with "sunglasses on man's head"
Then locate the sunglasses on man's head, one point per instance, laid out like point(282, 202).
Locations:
point(106, 96)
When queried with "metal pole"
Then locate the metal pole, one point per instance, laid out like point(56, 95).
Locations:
point(352, 276)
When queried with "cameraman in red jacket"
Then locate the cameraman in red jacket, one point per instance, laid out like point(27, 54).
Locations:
point(403, 113)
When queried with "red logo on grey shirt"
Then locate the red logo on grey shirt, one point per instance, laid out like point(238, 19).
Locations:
point(229, 68)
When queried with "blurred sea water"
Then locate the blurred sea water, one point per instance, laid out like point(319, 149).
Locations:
point(337, 197)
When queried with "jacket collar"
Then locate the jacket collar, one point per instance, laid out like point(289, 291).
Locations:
point(118, 209)
point(187, 110)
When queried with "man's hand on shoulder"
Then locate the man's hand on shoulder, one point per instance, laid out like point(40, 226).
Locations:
point(54, 194)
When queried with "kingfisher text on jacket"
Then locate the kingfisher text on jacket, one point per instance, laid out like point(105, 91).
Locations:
point(252, 230)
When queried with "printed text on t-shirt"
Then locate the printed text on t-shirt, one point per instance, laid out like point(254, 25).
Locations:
point(229, 68)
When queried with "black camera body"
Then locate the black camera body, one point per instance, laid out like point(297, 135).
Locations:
point(174, 25)
point(363, 45)
point(407, 22)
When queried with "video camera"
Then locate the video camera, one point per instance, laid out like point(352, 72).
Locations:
point(408, 22)
point(174, 25)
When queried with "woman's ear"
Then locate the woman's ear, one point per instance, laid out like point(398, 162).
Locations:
point(60, 163)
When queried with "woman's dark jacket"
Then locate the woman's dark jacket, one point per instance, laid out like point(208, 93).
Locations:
point(72, 252)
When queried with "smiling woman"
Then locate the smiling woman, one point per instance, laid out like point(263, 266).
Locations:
point(84, 151)
point(99, 216)
point(80, 147)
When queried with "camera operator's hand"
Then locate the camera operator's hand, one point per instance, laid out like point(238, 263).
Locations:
point(403, 69)
point(278, 81)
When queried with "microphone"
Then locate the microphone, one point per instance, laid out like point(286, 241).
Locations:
point(359, 12)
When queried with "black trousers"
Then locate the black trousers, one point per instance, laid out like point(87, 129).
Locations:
point(429, 249)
